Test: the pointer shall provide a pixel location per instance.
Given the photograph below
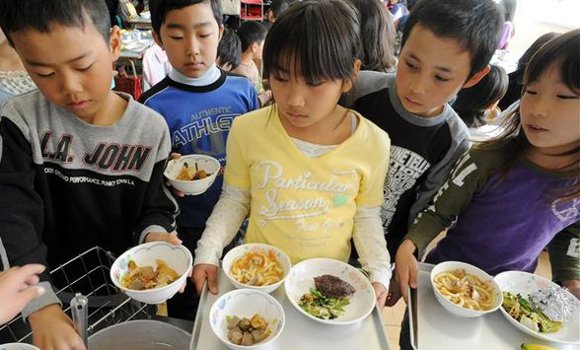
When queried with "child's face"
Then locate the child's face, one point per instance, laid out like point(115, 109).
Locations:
point(71, 66)
point(305, 104)
point(431, 70)
point(258, 49)
point(550, 113)
point(190, 36)
point(271, 17)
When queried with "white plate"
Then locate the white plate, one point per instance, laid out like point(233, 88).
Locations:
point(525, 283)
point(18, 346)
point(301, 279)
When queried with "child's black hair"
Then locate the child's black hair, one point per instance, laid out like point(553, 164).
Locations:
point(377, 34)
point(279, 6)
point(251, 32)
point(318, 40)
point(472, 102)
point(516, 78)
point(40, 15)
point(160, 8)
point(475, 24)
point(563, 51)
point(536, 45)
point(229, 49)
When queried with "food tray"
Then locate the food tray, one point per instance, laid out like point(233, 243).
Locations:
point(299, 331)
point(432, 327)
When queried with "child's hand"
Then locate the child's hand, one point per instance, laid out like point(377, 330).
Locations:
point(176, 193)
point(53, 330)
point(169, 238)
point(265, 97)
point(17, 289)
point(381, 293)
point(163, 237)
point(203, 272)
point(406, 267)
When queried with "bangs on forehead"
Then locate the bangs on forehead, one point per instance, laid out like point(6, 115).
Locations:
point(561, 53)
point(302, 62)
point(308, 41)
point(568, 72)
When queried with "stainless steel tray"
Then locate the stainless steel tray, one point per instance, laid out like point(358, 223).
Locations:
point(299, 331)
point(432, 327)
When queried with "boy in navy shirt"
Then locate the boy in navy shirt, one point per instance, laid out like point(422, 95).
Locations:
point(199, 102)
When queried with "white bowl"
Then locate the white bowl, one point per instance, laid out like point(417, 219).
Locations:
point(455, 309)
point(194, 187)
point(301, 279)
point(177, 257)
point(246, 303)
point(526, 283)
point(18, 346)
point(241, 250)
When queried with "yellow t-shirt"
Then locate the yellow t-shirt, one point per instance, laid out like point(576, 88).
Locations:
point(305, 206)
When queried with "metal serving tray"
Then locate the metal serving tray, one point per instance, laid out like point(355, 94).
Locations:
point(432, 327)
point(299, 332)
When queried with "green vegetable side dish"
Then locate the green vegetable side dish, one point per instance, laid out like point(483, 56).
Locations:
point(321, 306)
point(519, 308)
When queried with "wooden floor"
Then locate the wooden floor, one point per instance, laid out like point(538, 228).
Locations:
point(393, 316)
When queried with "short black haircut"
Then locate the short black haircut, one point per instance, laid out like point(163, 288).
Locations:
point(250, 33)
point(472, 102)
point(475, 24)
point(40, 15)
point(320, 38)
point(160, 8)
point(279, 6)
point(230, 49)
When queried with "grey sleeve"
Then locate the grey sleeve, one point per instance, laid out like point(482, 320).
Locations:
point(366, 83)
point(48, 298)
point(438, 173)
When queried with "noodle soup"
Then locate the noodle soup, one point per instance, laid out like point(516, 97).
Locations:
point(256, 266)
point(465, 290)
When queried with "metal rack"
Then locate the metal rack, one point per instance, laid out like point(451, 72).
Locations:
point(87, 273)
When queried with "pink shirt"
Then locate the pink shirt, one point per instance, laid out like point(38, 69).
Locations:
point(156, 66)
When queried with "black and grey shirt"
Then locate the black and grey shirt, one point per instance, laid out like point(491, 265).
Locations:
point(67, 185)
point(423, 150)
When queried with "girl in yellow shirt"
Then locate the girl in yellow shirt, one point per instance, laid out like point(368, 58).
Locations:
point(308, 172)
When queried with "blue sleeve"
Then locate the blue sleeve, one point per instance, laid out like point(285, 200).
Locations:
point(254, 98)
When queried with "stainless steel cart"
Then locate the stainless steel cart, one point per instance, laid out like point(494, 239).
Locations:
point(87, 273)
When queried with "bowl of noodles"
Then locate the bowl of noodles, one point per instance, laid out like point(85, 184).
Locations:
point(256, 266)
point(465, 290)
point(192, 174)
